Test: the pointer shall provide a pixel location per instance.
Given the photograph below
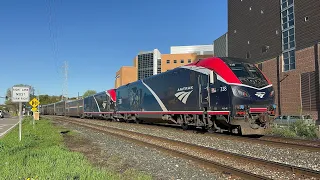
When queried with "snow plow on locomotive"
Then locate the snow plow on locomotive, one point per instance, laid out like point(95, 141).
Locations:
point(216, 94)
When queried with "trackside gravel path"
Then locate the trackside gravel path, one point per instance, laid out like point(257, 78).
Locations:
point(159, 165)
point(300, 158)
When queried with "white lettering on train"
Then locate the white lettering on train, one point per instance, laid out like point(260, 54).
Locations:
point(185, 88)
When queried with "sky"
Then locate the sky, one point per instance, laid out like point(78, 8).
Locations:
point(95, 38)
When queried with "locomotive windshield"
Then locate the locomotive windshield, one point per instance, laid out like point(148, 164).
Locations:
point(245, 70)
point(248, 74)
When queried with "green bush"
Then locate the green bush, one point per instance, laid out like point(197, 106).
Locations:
point(298, 129)
point(283, 132)
point(303, 130)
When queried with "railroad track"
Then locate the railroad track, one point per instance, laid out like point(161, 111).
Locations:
point(307, 145)
point(276, 142)
point(314, 143)
point(207, 157)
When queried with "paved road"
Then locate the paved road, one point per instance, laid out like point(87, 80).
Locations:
point(6, 124)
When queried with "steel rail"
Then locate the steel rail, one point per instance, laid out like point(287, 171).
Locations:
point(301, 144)
point(200, 149)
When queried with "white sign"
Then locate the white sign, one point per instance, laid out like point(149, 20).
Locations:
point(20, 94)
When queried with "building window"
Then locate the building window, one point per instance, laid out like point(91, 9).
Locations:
point(289, 61)
point(288, 34)
point(158, 66)
point(189, 60)
point(181, 61)
point(288, 39)
point(168, 61)
point(174, 61)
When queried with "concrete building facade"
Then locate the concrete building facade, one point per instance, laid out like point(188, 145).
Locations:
point(127, 74)
point(281, 37)
point(149, 63)
point(221, 46)
point(171, 61)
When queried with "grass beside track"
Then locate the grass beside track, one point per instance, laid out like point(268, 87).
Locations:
point(298, 130)
point(42, 155)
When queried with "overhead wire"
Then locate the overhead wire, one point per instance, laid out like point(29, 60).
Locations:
point(53, 37)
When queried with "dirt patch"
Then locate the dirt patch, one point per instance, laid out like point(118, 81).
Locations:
point(91, 150)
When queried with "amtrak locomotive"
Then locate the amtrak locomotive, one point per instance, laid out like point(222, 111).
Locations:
point(217, 94)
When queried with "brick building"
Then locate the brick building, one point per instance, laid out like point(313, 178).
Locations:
point(281, 37)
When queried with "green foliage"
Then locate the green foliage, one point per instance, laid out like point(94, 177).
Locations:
point(42, 155)
point(89, 93)
point(303, 130)
point(298, 129)
point(46, 99)
point(283, 132)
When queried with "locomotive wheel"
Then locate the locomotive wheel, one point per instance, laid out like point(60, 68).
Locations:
point(237, 129)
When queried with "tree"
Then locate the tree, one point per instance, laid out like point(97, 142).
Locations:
point(89, 93)
point(46, 99)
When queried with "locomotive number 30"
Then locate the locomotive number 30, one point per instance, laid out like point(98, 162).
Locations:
point(223, 88)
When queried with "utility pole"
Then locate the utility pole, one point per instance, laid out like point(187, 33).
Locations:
point(65, 85)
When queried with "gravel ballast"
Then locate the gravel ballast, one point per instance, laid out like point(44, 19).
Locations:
point(300, 158)
point(154, 162)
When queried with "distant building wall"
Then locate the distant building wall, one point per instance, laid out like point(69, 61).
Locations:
point(135, 61)
point(299, 87)
point(220, 46)
point(199, 49)
point(254, 29)
point(263, 30)
point(149, 63)
point(307, 22)
point(199, 57)
point(125, 75)
point(171, 61)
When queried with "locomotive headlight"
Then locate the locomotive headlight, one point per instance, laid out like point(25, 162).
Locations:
point(271, 93)
point(242, 93)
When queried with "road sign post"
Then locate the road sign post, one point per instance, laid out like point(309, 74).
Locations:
point(20, 95)
point(34, 103)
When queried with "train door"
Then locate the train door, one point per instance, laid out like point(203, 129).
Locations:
point(220, 96)
point(204, 95)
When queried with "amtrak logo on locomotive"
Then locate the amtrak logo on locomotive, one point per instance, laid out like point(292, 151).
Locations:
point(183, 93)
point(260, 94)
